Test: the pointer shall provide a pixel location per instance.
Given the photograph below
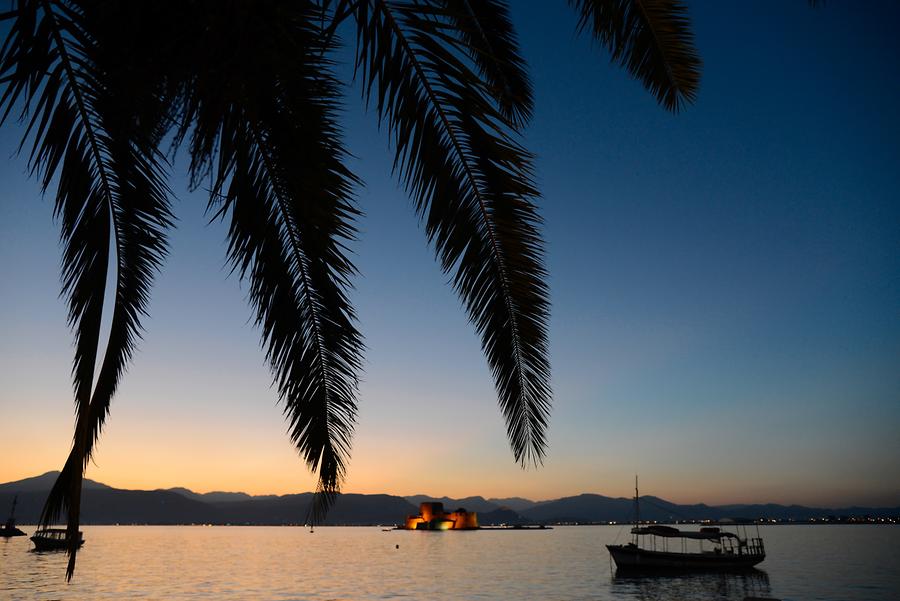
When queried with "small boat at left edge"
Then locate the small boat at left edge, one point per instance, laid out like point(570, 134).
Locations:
point(9, 528)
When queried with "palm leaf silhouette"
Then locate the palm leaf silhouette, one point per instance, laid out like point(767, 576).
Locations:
point(486, 34)
point(652, 39)
point(471, 182)
point(280, 180)
point(248, 88)
point(111, 200)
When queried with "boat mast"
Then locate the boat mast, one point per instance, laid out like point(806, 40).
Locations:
point(11, 521)
point(637, 510)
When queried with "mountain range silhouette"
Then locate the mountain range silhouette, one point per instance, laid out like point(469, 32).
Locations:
point(103, 504)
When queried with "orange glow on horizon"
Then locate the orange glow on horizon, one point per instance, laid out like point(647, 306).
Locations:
point(145, 451)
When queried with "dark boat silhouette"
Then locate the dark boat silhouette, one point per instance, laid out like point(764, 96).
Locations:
point(53, 539)
point(655, 547)
point(9, 528)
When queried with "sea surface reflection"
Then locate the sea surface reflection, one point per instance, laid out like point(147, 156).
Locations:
point(848, 563)
point(691, 586)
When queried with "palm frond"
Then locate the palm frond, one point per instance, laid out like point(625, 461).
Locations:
point(266, 127)
point(488, 36)
point(133, 107)
point(650, 38)
point(45, 49)
point(471, 181)
point(110, 199)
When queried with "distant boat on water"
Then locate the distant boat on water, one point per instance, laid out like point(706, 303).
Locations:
point(9, 528)
point(53, 539)
point(655, 547)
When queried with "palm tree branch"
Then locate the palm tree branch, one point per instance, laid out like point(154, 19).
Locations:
point(77, 96)
point(482, 163)
point(457, 146)
point(110, 198)
point(267, 128)
point(668, 24)
point(652, 39)
point(454, 140)
point(496, 54)
point(68, 494)
point(326, 452)
point(300, 258)
point(321, 363)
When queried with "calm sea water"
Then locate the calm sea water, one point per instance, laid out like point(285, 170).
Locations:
point(834, 563)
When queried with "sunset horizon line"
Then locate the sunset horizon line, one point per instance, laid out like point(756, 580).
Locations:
point(673, 498)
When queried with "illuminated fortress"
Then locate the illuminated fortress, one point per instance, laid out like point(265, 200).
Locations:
point(432, 517)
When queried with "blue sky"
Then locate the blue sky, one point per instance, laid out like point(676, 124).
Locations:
point(725, 286)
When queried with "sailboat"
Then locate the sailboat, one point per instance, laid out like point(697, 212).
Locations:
point(656, 547)
point(9, 528)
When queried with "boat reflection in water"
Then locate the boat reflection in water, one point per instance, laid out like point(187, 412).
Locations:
point(690, 586)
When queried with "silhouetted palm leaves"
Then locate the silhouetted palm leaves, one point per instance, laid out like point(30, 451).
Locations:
point(248, 87)
point(650, 38)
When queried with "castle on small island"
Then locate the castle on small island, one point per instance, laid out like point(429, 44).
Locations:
point(433, 517)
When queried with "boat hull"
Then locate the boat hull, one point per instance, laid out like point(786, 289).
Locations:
point(629, 557)
point(7, 532)
point(50, 544)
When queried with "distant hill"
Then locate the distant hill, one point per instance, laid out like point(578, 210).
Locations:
point(102, 504)
point(479, 504)
point(590, 508)
point(44, 482)
point(348, 510)
point(217, 496)
point(501, 517)
point(514, 503)
point(582, 508)
point(117, 506)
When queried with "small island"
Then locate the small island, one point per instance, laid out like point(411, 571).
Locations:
point(433, 517)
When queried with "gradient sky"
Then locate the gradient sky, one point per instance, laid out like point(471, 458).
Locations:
point(725, 288)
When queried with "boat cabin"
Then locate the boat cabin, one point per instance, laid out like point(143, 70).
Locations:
point(53, 539)
point(717, 540)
